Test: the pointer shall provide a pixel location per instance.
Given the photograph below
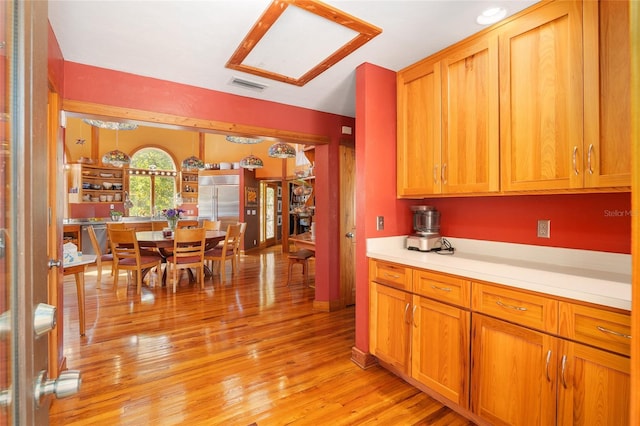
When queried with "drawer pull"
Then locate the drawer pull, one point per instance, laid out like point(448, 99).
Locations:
point(515, 308)
point(564, 367)
point(547, 365)
point(575, 160)
point(386, 274)
point(615, 333)
point(589, 153)
point(435, 287)
point(406, 310)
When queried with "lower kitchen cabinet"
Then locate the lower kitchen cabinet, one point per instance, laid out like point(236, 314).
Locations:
point(389, 328)
point(513, 373)
point(440, 348)
point(525, 377)
point(502, 355)
point(594, 386)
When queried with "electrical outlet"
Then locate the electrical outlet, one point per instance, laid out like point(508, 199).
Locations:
point(544, 228)
point(111, 206)
point(380, 223)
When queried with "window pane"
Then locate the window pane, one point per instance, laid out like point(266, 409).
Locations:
point(140, 195)
point(164, 192)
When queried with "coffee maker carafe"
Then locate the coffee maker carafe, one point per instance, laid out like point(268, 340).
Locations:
point(426, 225)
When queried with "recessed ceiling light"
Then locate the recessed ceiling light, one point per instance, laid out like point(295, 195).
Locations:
point(491, 15)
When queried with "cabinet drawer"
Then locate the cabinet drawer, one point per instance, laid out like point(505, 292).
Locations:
point(596, 327)
point(530, 310)
point(442, 287)
point(391, 274)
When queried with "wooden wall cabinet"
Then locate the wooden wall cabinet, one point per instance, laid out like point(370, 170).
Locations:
point(607, 107)
point(93, 179)
point(448, 122)
point(511, 357)
point(558, 120)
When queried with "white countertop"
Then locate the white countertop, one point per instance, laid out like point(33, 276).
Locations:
point(590, 276)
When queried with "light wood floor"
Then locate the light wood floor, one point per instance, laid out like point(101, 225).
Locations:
point(251, 351)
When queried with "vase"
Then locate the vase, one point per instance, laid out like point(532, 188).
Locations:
point(172, 223)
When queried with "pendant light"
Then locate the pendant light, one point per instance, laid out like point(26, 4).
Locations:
point(251, 162)
point(116, 157)
point(282, 150)
point(243, 140)
point(110, 125)
point(193, 162)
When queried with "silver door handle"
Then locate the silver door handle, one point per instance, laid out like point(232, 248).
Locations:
point(54, 263)
point(67, 384)
point(349, 235)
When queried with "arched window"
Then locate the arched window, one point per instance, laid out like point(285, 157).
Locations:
point(152, 182)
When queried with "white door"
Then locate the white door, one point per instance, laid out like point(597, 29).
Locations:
point(24, 342)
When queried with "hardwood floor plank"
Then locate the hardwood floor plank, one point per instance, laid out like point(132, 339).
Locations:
point(248, 351)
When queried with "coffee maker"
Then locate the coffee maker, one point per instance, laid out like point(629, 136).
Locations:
point(426, 226)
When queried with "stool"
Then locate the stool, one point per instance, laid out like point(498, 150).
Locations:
point(300, 257)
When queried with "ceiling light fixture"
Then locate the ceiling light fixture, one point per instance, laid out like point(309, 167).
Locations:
point(116, 157)
point(491, 15)
point(110, 125)
point(243, 140)
point(282, 150)
point(251, 162)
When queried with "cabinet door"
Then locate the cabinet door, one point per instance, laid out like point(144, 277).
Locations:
point(419, 130)
point(541, 89)
point(607, 81)
point(389, 327)
point(513, 373)
point(440, 349)
point(470, 127)
point(593, 387)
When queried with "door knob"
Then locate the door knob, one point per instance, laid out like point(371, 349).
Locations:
point(349, 235)
point(67, 384)
point(5, 324)
point(44, 319)
point(54, 263)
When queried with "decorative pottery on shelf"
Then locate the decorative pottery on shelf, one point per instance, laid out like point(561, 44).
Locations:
point(192, 163)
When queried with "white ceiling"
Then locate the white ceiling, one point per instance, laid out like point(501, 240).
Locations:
point(189, 42)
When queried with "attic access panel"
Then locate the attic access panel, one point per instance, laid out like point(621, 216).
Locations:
point(296, 44)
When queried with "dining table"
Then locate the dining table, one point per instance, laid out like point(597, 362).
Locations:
point(164, 244)
point(78, 268)
point(305, 240)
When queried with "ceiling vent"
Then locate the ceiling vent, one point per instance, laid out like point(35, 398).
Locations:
point(247, 84)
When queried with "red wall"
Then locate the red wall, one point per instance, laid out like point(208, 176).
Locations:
point(107, 87)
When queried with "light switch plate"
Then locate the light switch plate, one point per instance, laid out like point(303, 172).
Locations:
point(380, 223)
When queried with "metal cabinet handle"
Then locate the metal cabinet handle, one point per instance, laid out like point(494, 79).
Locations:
point(435, 174)
point(615, 333)
point(564, 366)
point(515, 308)
point(406, 310)
point(435, 287)
point(443, 174)
point(547, 365)
point(349, 235)
point(589, 153)
point(575, 160)
point(413, 315)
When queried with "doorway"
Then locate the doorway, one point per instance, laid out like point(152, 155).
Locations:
point(271, 210)
point(347, 224)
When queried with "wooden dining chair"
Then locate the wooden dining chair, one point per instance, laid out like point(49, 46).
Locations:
point(236, 249)
point(188, 252)
point(188, 224)
point(102, 259)
point(221, 253)
point(159, 225)
point(211, 225)
point(127, 256)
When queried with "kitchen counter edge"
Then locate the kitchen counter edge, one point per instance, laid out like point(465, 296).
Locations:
point(588, 276)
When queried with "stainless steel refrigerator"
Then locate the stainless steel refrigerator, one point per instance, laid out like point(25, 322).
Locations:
point(219, 198)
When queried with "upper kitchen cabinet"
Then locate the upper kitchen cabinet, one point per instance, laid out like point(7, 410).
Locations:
point(541, 99)
point(448, 135)
point(470, 125)
point(419, 130)
point(607, 79)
